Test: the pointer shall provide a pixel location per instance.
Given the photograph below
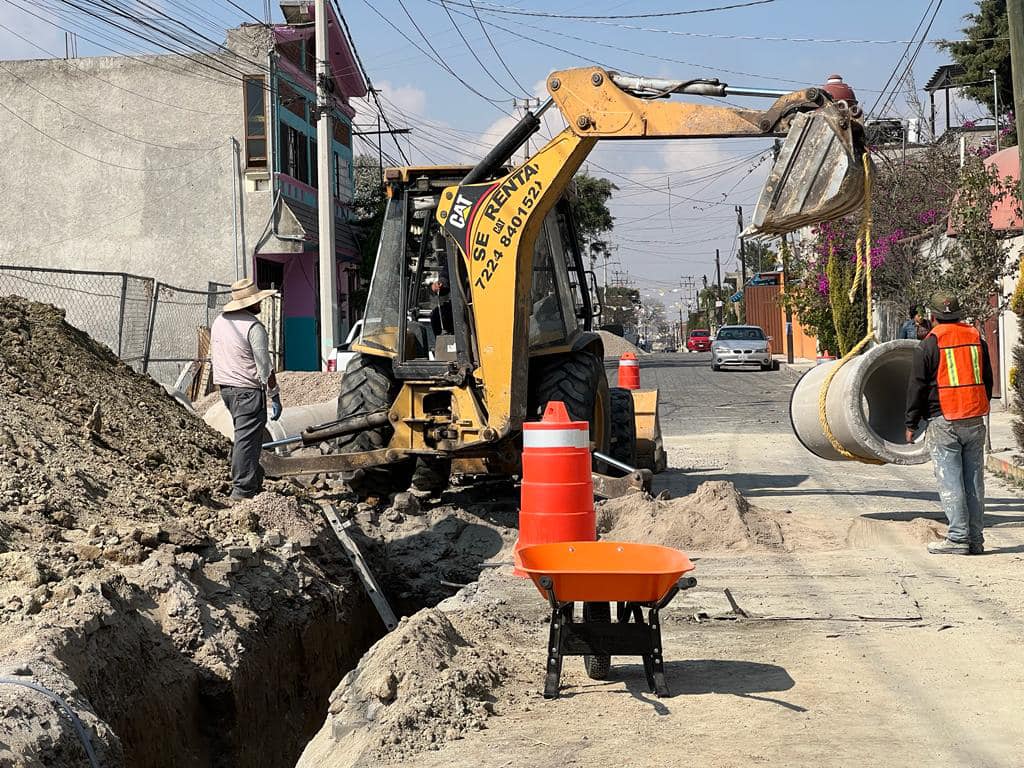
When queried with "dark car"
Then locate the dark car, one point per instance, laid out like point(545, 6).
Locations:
point(699, 340)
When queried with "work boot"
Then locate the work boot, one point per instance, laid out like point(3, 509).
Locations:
point(975, 549)
point(947, 547)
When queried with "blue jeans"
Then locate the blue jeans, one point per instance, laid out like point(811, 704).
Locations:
point(958, 453)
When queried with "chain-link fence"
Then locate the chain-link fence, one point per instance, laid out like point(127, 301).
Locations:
point(156, 328)
point(112, 307)
point(180, 329)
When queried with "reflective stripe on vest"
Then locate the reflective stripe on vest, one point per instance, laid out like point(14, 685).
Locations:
point(959, 377)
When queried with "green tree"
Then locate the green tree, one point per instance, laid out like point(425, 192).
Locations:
point(987, 46)
point(620, 306)
point(590, 206)
point(759, 258)
point(368, 204)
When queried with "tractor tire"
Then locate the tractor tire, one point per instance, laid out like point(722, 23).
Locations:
point(578, 380)
point(597, 667)
point(367, 387)
point(623, 426)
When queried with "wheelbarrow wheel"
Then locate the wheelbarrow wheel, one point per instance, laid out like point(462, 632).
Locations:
point(597, 667)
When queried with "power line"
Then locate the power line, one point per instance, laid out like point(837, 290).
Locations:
point(88, 119)
point(511, 11)
point(483, 28)
point(913, 58)
point(906, 50)
point(85, 71)
point(100, 160)
point(473, 52)
point(439, 60)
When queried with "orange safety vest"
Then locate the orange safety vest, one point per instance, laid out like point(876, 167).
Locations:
point(961, 386)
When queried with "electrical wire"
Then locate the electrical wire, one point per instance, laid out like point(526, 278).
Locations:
point(100, 160)
point(899, 62)
point(512, 11)
point(439, 59)
point(88, 119)
point(483, 28)
point(473, 52)
point(913, 58)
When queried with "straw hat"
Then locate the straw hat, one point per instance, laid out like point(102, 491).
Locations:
point(245, 293)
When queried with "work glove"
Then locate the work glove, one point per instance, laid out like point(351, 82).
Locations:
point(275, 407)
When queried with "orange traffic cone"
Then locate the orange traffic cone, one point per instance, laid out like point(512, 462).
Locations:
point(629, 371)
point(557, 501)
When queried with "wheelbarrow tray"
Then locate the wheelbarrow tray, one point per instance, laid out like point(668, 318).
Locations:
point(605, 571)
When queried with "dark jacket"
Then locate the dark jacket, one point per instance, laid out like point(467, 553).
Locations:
point(922, 391)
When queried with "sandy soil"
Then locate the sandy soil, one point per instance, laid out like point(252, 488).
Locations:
point(858, 648)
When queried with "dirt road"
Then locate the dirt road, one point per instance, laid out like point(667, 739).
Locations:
point(864, 649)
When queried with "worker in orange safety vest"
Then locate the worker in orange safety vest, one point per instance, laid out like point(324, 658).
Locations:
point(950, 388)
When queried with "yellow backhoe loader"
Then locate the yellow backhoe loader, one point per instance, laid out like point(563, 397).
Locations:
point(479, 310)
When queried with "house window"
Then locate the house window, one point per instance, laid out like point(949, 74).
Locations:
point(311, 58)
point(342, 133)
point(255, 123)
point(294, 154)
point(313, 162)
point(292, 100)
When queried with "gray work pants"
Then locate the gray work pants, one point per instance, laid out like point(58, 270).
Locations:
point(958, 453)
point(248, 408)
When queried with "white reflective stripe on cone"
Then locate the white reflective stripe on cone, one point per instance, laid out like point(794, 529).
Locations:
point(556, 438)
point(629, 362)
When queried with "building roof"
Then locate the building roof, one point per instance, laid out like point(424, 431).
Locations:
point(944, 77)
point(307, 225)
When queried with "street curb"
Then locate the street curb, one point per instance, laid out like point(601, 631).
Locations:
point(1005, 468)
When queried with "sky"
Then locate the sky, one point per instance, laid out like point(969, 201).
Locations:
point(452, 79)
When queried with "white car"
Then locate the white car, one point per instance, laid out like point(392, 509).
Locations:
point(741, 345)
point(340, 355)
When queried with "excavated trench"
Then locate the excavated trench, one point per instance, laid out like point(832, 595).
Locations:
point(261, 710)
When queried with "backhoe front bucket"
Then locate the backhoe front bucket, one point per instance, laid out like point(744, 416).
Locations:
point(650, 450)
point(818, 175)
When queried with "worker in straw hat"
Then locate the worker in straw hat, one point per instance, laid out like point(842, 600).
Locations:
point(240, 350)
point(950, 387)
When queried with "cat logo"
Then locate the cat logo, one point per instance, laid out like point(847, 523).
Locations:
point(460, 210)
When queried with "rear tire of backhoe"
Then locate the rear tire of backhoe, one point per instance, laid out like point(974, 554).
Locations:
point(578, 380)
point(622, 445)
point(367, 387)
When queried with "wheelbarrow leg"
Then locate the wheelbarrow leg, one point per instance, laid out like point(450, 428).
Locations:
point(655, 664)
point(560, 616)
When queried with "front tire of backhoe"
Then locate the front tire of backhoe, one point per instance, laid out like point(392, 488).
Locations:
point(623, 427)
point(368, 387)
point(578, 380)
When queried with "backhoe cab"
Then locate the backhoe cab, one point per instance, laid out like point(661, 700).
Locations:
point(479, 309)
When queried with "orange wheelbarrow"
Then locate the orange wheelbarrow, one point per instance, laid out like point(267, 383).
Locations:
point(597, 573)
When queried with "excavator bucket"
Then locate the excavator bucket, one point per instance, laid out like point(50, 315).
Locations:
point(818, 175)
point(650, 451)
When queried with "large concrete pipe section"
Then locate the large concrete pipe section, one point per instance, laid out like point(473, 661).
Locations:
point(865, 407)
point(293, 419)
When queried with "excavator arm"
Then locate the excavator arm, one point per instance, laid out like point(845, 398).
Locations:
point(494, 223)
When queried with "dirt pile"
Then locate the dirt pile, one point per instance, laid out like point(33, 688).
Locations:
point(714, 517)
point(421, 685)
point(297, 388)
point(616, 346)
point(130, 589)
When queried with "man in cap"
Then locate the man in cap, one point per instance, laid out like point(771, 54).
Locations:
point(239, 348)
point(950, 387)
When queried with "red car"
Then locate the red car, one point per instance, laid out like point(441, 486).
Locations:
point(699, 341)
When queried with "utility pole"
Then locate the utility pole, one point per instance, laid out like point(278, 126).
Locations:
point(1015, 11)
point(743, 265)
point(789, 307)
point(526, 104)
point(325, 190)
point(995, 104)
point(718, 298)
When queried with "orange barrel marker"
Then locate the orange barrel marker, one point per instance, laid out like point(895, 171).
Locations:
point(557, 498)
point(629, 371)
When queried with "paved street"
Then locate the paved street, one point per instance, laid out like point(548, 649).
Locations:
point(861, 644)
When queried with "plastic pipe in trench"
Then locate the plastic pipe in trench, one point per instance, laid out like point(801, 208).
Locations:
point(865, 407)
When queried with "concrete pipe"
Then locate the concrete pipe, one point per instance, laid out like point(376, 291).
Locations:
point(293, 419)
point(865, 406)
